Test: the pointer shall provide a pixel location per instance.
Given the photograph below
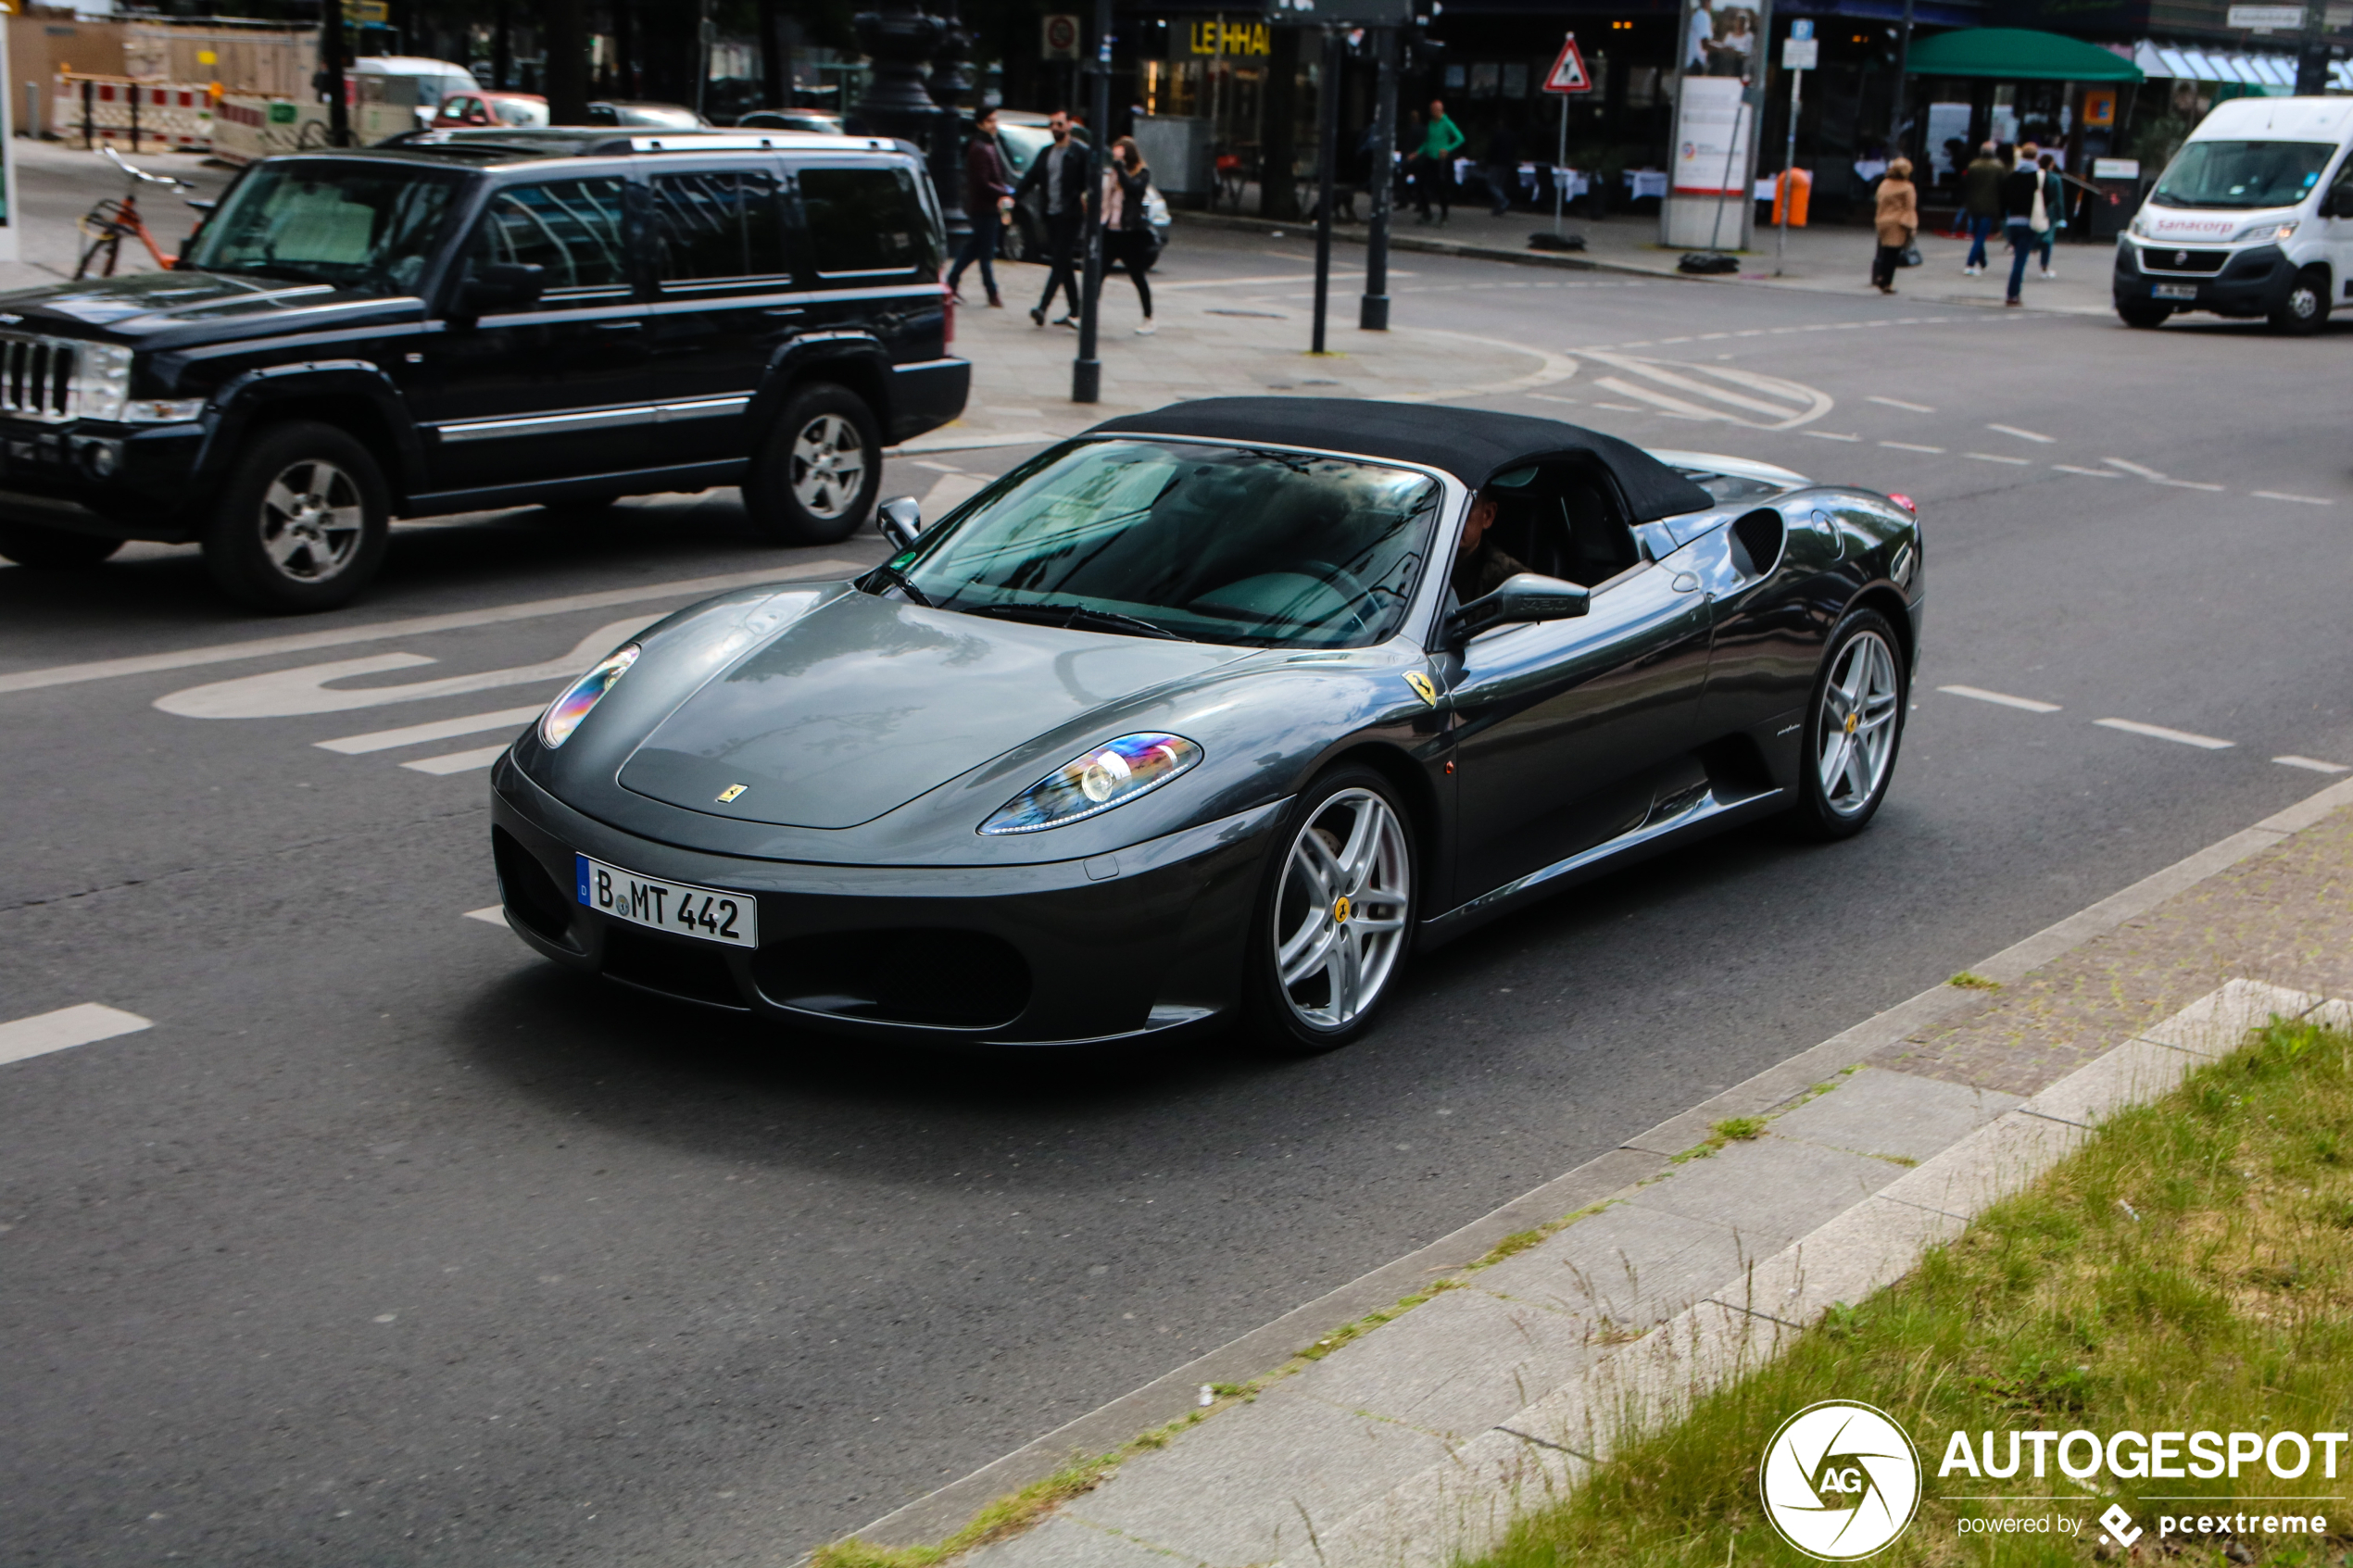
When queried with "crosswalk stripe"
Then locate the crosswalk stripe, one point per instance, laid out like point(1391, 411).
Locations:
point(440, 729)
point(66, 1028)
point(458, 761)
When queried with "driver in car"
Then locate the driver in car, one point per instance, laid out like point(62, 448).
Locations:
point(1482, 566)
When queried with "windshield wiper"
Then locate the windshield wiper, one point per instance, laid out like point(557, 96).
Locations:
point(894, 575)
point(1072, 616)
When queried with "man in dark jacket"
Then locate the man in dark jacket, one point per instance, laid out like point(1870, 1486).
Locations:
point(1059, 172)
point(1502, 168)
point(985, 196)
point(2022, 194)
point(1981, 205)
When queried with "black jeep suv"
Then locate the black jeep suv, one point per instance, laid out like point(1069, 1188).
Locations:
point(459, 320)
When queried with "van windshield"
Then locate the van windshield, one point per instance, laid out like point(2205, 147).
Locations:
point(2241, 174)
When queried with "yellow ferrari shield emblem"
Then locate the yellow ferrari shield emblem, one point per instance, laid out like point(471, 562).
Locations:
point(1850, 723)
point(1422, 686)
point(1339, 909)
point(731, 792)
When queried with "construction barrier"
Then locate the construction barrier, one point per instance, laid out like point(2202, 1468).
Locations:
point(246, 126)
point(137, 114)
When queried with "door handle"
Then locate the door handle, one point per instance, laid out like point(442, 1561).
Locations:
point(620, 326)
point(781, 311)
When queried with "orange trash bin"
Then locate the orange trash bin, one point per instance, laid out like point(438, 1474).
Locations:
point(1793, 187)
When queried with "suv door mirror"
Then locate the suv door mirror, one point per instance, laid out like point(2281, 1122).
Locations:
point(1526, 597)
point(501, 285)
point(900, 519)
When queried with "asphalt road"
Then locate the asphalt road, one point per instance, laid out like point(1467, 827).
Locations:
point(388, 1243)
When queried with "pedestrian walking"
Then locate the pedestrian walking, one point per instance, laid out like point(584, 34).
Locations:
point(2055, 208)
point(2024, 215)
point(1502, 168)
point(1128, 239)
point(1434, 176)
point(1981, 205)
point(988, 200)
point(1059, 174)
point(1897, 220)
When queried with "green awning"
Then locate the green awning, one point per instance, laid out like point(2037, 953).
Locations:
point(2016, 54)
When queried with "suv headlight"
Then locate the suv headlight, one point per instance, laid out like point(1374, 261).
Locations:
point(1112, 774)
point(2273, 233)
point(564, 714)
point(101, 379)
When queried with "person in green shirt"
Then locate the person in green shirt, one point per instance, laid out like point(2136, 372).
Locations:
point(1433, 165)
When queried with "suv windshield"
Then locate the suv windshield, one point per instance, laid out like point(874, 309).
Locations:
point(1212, 544)
point(2241, 174)
point(355, 226)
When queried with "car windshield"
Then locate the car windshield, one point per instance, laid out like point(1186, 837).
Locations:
point(1212, 544)
point(369, 228)
point(2241, 174)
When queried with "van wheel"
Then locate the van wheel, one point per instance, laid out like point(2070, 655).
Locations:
point(2305, 309)
point(2140, 313)
point(303, 521)
point(814, 477)
point(29, 543)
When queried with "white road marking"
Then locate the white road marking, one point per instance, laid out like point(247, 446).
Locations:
point(1910, 446)
point(2283, 495)
point(1554, 397)
point(1829, 435)
point(1630, 409)
point(489, 915)
point(2087, 473)
point(2024, 435)
point(2158, 732)
point(1981, 694)
point(1994, 457)
point(2312, 764)
point(1719, 392)
point(440, 729)
point(66, 1028)
point(2187, 484)
point(2132, 468)
point(458, 761)
point(935, 468)
point(948, 441)
point(284, 693)
point(414, 626)
point(1899, 403)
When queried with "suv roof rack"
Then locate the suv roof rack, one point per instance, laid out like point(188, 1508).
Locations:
point(568, 141)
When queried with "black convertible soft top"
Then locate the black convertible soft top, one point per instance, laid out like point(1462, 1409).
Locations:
point(1474, 444)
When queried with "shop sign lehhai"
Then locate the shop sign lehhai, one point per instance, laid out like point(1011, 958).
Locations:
point(1221, 37)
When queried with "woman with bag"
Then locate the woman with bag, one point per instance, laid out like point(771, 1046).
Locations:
point(1898, 220)
point(1128, 239)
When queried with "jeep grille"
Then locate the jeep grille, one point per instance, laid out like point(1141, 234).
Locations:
point(37, 379)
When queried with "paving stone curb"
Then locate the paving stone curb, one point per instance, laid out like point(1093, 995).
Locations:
point(1488, 1455)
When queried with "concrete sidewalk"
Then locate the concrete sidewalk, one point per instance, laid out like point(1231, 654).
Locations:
point(1681, 1264)
point(1818, 260)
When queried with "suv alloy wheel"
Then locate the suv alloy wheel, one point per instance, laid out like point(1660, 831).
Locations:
point(303, 521)
point(813, 480)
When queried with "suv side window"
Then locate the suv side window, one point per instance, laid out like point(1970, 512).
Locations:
point(572, 228)
point(718, 224)
point(867, 221)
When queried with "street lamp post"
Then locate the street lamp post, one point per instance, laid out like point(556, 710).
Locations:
point(1087, 371)
point(951, 82)
point(1373, 313)
point(898, 38)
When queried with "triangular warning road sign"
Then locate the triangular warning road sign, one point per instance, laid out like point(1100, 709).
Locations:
point(1568, 74)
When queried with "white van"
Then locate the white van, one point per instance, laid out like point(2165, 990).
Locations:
point(423, 82)
point(2254, 217)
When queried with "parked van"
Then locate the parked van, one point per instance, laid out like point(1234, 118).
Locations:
point(2254, 217)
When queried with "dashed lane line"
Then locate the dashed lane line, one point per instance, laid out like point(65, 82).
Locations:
point(413, 626)
point(489, 914)
point(2312, 764)
point(1993, 457)
point(1829, 435)
point(2024, 435)
point(1899, 403)
point(2140, 471)
point(2283, 495)
point(2004, 698)
point(66, 1028)
point(2087, 473)
point(2189, 485)
point(458, 761)
point(2135, 468)
point(2158, 732)
point(1910, 446)
point(440, 729)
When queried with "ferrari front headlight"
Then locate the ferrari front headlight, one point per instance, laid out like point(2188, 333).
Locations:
point(564, 714)
point(1112, 774)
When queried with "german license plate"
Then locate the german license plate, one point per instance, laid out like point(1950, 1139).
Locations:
point(2173, 291)
point(708, 915)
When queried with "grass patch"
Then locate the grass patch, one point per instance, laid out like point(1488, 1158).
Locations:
point(1969, 980)
point(2192, 1266)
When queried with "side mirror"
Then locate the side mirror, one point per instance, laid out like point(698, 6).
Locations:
point(501, 285)
point(2334, 204)
point(1528, 596)
point(900, 520)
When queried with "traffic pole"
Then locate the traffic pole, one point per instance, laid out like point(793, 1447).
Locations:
point(1560, 165)
point(1087, 371)
point(1788, 174)
point(1372, 313)
point(1327, 157)
point(331, 46)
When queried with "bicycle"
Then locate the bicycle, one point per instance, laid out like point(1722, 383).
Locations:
point(113, 218)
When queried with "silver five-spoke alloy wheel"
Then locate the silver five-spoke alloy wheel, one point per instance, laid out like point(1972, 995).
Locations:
point(828, 466)
point(1861, 704)
point(312, 520)
point(1340, 912)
